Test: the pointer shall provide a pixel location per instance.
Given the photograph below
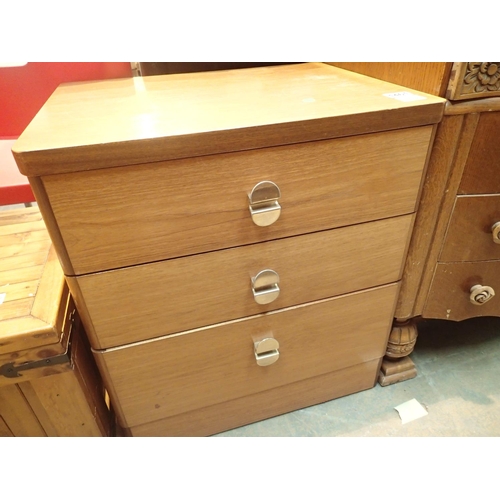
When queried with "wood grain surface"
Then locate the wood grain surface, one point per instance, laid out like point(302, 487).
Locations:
point(266, 404)
point(17, 415)
point(180, 373)
point(449, 293)
point(481, 171)
point(145, 213)
point(147, 301)
point(138, 120)
point(469, 236)
point(32, 284)
point(429, 77)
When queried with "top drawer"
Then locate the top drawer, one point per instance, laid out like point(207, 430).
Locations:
point(142, 213)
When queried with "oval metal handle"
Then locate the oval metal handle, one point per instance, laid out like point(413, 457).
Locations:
point(265, 286)
point(266, 351)
point(480, 294)
point(263, 203)
point(495, 230)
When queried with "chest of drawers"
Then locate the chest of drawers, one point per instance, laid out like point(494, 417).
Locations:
point(466, 274)
point(233, 240)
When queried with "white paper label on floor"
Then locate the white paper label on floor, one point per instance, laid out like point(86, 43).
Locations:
point(411, 410)
point(2, 297)
point(405, 96)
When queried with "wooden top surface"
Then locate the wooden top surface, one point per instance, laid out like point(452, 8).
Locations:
point(31, 282)
point(93, 125)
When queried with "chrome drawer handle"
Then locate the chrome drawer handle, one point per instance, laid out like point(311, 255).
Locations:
point(266, 351)
point(263, 203)
point(265, 286)
point(495, 230)
point(480, 294)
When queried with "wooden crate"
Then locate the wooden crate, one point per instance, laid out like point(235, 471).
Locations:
point(49, 383)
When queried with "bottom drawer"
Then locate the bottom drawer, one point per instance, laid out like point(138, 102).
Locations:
point(450, 292)
point(267, 404)
point(161, 378)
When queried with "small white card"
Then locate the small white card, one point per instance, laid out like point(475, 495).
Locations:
point(411, 410)
point(2, 297)
point(405, 96)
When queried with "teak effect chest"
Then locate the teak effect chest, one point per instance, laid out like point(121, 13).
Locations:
point(233, 240)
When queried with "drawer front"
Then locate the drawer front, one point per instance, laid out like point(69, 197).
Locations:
point(471, 233)
point(184, 372)
point(449, 295)
point(243, 411)
point(481, 174)
point(143, 213)
point(147, 301)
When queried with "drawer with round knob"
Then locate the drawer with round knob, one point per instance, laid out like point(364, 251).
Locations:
point(464, 290)
point(150, 300)
point(474, 230)
point(180, 373)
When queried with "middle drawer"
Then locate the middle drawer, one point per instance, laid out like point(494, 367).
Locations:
point(150, 300)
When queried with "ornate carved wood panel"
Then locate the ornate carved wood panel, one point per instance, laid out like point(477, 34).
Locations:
point(472, 80)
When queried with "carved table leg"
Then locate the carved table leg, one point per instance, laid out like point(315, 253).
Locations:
point(397, 365)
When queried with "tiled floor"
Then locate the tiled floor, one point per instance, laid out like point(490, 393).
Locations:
point(458, 383)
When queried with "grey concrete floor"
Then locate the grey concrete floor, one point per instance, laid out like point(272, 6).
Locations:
point(458, 382)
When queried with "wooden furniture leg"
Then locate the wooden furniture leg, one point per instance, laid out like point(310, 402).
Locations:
point(397, 365)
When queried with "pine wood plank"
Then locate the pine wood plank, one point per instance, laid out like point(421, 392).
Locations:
point(22, 227)
point(32, 285)
point(23, 261)
point(34, 245)
point(23, 238)
point(18, 290)
point(51, 298)
point(14, 276)
point(17, 413)
point(18, 215)
point(25, 332)
point(16, 308)
point(61, 405)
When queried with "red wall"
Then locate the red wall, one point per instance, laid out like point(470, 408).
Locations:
point(24, 89)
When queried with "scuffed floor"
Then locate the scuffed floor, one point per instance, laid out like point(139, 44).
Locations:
point(458, 383)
